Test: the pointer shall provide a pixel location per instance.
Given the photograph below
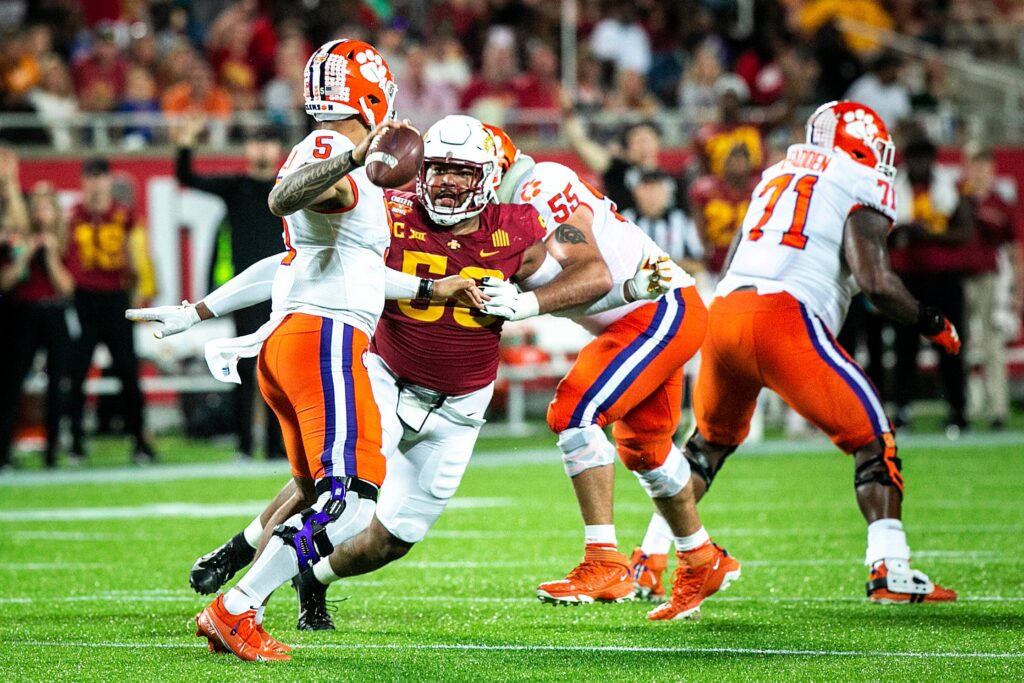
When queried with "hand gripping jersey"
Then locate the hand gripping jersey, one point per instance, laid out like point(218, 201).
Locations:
point(793, 234)
point(449, 349)
point(556, 192)
point(335, 262)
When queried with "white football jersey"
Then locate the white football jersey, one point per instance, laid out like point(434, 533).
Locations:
point(335, 265)
point(556, 192)
point(792, 235)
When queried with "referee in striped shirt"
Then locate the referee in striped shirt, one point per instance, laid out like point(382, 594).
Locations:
point(658, 214)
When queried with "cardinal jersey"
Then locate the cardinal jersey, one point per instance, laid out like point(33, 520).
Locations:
point(793, 232)
point(723, 208)
point(335, 260)
point(449, 349)
point(556, 192)
point(98, 251)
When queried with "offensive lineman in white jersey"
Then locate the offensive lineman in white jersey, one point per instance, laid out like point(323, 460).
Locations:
point(814, 235)
point(630, 376)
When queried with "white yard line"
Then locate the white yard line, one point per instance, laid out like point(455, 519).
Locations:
point(485, 459)
point(513, 647)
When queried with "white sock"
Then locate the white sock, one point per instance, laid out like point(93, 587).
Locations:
point(259, 613)
point(324, 573)
point(694, 540)
point(886, 540)
point(276, 565)
point(253, 532)
point(658, 538)
point(600, 534)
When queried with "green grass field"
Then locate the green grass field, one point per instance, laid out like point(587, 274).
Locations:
point(93, 576)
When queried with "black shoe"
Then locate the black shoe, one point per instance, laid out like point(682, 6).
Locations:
point(313, 614)
point(143, 453)
point(998, 424)
point(213, 570)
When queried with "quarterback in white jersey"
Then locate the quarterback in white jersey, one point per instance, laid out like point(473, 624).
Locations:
point(630, 376)
point(815, 234)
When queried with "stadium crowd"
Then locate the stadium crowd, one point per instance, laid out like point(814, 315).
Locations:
point(959, 236)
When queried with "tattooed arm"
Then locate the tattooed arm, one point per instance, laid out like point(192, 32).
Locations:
point(585, 276)
point(314, 185)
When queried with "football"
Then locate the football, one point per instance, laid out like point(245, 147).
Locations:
point(394, 157)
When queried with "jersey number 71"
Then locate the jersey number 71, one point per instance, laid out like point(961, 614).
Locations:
point(794, 236)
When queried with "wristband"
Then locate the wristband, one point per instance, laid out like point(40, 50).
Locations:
point(930, 320)
point(425, 291)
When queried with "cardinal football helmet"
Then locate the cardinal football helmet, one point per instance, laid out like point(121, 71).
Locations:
point(346, 78)
point(855, 130)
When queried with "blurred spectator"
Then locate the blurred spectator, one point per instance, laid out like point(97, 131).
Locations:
point(54, 101)
point(100, 76)
point(759, 66)
point(419, 99)
point(620, 42)
point(19, 70)
point(718, 204)
point(234, 70)
point(811, 15)
point(198, 95)
point(933, 225)
point(881, 89)
point(715, 141)
point(837, 62)
point(590, 94)
point(537, 90)
point(620, 165)
point(33, 275)
point(631, 96)
point(658, 214)
point(696, 92)
point(255, 234)
point(448, 64)
point(490, 92)
point(139, 98)
point(282, 95)
point(998, 227)
point(105, 271)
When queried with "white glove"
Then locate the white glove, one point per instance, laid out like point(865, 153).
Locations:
point(174, 319)
point(653, 275)
point(506, 301)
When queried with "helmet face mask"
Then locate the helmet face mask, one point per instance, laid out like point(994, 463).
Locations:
point(459, 176)
point(349, 78)
point(856, 131)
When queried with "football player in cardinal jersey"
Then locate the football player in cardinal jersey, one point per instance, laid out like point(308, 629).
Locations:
point(630, 376)
point(815, 234)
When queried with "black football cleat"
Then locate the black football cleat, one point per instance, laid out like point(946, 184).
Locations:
point(313, 614)
point(214, 569)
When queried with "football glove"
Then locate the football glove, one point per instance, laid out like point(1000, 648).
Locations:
point(653, 275)
point(173, 319)
point(506, 301)
point(938, 330)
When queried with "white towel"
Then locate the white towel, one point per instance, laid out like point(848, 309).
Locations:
point(222, 355)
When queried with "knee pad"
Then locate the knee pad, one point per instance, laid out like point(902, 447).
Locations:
point(885, 469)
point(314, 531)
point(700, 464)
point(668, 479)
point(584, 448)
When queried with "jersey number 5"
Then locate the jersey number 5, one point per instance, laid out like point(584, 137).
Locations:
point(794, 236)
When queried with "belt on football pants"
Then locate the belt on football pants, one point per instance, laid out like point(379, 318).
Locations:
point(360, 487)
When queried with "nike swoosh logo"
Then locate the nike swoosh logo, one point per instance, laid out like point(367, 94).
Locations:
point(718, 561)
point(485, 254)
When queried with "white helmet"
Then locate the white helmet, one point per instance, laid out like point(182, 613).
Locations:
point(463, 141)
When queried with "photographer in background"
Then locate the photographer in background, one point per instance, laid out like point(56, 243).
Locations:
point(36, 287)
point(255, 234)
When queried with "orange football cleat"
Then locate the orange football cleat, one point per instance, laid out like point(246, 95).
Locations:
point(602, 576)
point(237, 633)
point(893, 581)
point(269, 641)
point(701, 573)
point(646, 571)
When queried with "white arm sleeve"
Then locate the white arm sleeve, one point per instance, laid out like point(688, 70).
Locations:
point(399, 285)
point(251, 286)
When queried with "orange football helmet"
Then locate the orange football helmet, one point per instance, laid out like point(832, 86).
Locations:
point(855, 130)
point(346, 78)
point(505, 150)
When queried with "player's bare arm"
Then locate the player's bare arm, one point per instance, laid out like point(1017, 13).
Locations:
point(318, 185)
point(585, 276)
point(864, 246)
